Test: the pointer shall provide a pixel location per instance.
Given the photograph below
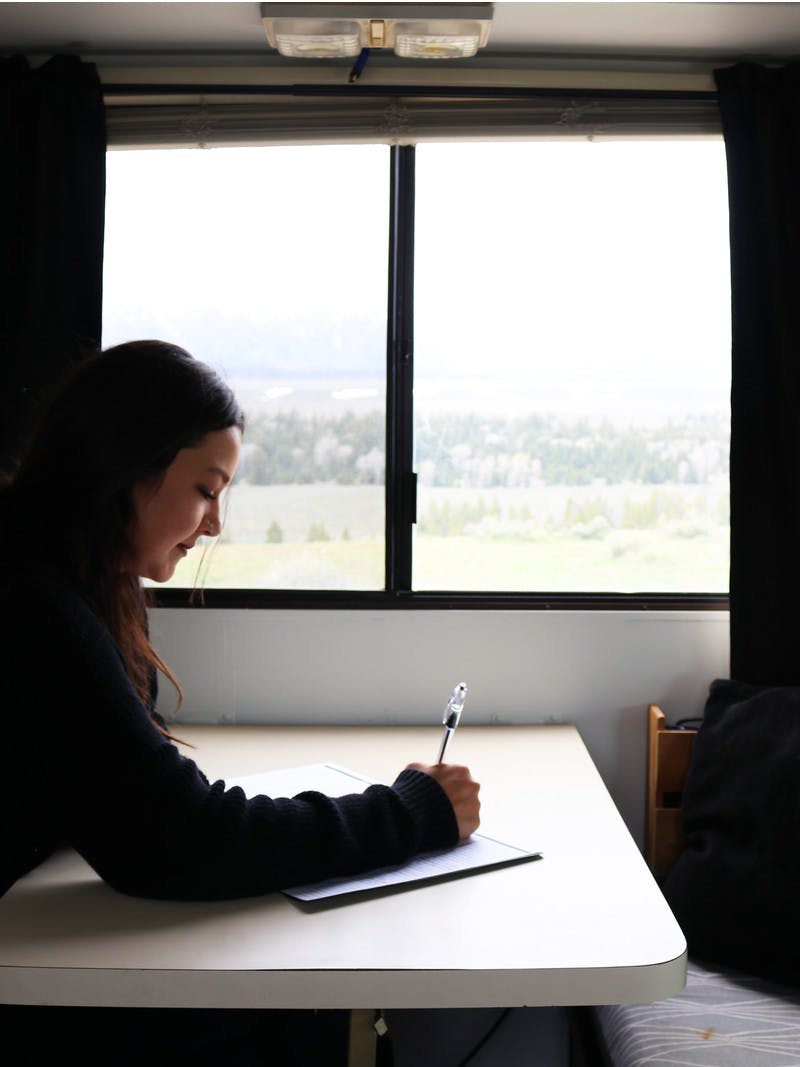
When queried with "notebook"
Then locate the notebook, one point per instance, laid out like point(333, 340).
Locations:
point(477, 853)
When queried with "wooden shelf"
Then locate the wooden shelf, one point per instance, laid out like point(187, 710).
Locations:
point(669, 754)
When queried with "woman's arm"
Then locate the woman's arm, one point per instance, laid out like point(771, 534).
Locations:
point(144, 816)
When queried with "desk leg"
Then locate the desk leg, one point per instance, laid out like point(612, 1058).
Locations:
point(362, 1038)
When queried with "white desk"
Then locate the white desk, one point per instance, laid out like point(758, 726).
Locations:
point(584, 925)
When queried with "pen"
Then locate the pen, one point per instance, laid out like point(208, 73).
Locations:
point(452, 714)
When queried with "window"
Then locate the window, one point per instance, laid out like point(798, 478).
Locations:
point(270, 264)
point(571, 353)
point(572, 366)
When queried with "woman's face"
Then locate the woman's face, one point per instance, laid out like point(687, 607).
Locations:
point(173, 511)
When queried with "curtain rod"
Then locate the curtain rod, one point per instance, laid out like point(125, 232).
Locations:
point(450, 92)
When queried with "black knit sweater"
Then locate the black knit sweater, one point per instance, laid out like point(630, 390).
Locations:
point(85, 766)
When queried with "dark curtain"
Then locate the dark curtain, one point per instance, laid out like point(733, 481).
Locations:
point(52, 192)
point(761, 124)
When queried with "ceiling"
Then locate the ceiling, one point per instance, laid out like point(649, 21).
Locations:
point(674, 31)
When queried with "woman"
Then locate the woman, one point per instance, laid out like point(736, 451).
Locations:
point(123, 476)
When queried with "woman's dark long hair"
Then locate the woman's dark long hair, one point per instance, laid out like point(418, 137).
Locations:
point(119, 420)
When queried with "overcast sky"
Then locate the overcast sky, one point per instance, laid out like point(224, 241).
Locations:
point(546, 261)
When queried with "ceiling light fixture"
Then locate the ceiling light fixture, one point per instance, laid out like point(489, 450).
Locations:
point(413, 31)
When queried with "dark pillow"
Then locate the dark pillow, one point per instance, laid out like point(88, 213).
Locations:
point(735, 890)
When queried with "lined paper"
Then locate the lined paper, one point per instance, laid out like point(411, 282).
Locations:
point(476, 853)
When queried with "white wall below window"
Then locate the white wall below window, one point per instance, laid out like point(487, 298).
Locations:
point(598, 670)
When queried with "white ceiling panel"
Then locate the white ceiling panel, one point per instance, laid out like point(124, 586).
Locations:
point(679, 30)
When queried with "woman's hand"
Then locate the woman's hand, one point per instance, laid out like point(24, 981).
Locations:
point(461, 790)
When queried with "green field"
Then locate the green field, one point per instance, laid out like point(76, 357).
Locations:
point(251, 509)
point(655, 563)
point(586, 539)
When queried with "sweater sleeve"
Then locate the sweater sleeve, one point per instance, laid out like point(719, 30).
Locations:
point(143, 815)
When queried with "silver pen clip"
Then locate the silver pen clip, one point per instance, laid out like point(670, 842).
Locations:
point(452, 716)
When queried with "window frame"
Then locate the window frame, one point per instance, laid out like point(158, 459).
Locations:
point(185, 115)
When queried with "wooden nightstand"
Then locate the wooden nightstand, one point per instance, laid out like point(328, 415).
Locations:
point(669, 753)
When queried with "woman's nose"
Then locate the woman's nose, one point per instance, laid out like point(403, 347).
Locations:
point(211, 523)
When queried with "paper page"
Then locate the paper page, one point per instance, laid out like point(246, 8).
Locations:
point(327, 778)
point(477, 853)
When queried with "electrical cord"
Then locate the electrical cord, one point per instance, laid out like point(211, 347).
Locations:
point(385, 1057)
point(358, 66)
point(489, 1033)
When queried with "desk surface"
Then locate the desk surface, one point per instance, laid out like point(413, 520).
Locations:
point(586, 924)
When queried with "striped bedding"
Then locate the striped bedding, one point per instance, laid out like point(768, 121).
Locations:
point(721, 1019)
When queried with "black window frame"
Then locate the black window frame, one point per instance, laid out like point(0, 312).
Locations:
point(400, 488)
